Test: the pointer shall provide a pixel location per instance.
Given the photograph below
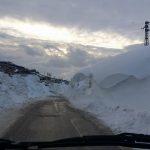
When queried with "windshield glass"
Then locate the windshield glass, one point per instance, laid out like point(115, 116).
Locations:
point(74, 68)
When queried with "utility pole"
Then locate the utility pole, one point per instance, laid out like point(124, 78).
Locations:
point(146, 27)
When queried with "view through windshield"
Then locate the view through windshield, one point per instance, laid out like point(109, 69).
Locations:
point(74, 69)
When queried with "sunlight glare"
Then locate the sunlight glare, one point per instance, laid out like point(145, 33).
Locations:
point(46, 31)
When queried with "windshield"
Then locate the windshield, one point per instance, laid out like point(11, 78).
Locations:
point(74, 69)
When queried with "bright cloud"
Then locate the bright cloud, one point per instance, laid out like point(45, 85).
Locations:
point(46, 31)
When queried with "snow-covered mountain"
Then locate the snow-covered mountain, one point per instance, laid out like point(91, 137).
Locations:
point(119, 91)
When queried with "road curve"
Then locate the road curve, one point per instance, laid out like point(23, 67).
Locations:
point(54, 119)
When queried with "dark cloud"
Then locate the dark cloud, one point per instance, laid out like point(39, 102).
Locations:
point(31, 50)
point(79, 57)
point(31, 53)
point(125, 17)
point(74, 58)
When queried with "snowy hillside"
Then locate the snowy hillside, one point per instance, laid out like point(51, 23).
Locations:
point(19, 89)
point(119, 91)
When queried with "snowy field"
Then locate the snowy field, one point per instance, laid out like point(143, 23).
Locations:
point(116, 90)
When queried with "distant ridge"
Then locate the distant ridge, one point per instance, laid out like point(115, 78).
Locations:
point(11, 69)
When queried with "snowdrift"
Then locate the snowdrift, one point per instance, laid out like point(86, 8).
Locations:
point(17, 89)
point(134, 62)
point(113, 80)
point(119, 91)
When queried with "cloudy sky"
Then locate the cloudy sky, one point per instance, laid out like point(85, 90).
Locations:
point(63, 36)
